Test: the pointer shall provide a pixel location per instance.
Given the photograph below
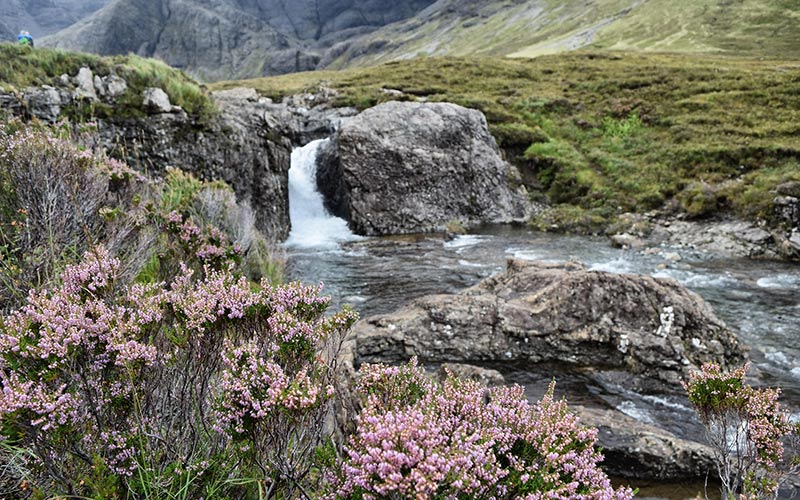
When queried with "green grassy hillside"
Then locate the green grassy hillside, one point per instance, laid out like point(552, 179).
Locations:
point(605, 133)
point(755, 28)
point(22, 67)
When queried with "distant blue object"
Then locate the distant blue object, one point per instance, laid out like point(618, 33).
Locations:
point(25, 38)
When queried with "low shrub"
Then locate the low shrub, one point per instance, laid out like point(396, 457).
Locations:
point(57, 201)
point(168, 388)
point(418, 439)
point(747, 429)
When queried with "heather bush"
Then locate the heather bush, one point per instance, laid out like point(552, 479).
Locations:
point(747, 430)
point(194, 388)
point(56, 201)
point(202, 223)
point(418, 439)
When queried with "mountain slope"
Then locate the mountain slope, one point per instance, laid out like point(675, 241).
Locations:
point(530, 28)
point(42, 17)
point(228, 38)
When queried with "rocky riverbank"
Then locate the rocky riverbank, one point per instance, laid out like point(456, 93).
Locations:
point(643, 333)
point(725, 237)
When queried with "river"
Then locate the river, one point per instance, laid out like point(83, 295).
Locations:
point(759, 300)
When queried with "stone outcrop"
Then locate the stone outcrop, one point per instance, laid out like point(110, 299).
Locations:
point(243, 144)
point(557, 313)
point(404, 167)
point(301, 118)
point(84, 80)
point(735, 238)
point(239, 146)
point(43, 102)
point(156, 100)
point(633, 449)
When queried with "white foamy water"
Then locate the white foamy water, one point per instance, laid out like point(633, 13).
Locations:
point(630, 409)
point(620, 265)
point(697, 280)
point(787, 281)
point(312, 225)
point(465, 240)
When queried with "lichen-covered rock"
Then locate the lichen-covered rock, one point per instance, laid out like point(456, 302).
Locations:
point(538, 312)
point(633, 449)
point(115, 85)
point(787, 210)
point(84, 81)
point(404, 167)
point(484, 376)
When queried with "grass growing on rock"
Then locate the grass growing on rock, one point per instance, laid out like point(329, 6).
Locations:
point(23, 67)
point(611, 132)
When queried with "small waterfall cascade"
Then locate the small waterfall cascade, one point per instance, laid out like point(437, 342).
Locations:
point(312, 225)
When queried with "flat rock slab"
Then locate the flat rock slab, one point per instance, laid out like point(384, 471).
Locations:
point(538, 312)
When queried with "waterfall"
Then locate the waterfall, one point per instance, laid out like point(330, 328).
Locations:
point(312, 225)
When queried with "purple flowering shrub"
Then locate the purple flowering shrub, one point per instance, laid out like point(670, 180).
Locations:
point(168, 387)
point(747, 430)
point(418, 439)
point(56, 201)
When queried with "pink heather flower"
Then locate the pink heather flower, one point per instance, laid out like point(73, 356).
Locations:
point(747, 428)
point(78, 360)
point(420, 440)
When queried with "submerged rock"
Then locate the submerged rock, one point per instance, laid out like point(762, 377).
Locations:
point(538, 313)
point(404, 167)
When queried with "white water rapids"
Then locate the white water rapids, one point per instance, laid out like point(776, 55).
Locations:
point(312, 225)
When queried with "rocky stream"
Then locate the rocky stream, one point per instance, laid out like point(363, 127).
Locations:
point(407, 288)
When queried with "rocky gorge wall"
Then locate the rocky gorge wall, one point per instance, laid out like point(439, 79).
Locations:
point(392, 169)
point(241, 144)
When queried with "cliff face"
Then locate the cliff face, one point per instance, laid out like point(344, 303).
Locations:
point(240, 144)
point(216, 39)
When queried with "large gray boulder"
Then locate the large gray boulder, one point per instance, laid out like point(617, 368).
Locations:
point(403, 167)
point(636, 450)
point(538, 313)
